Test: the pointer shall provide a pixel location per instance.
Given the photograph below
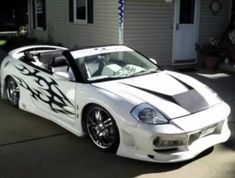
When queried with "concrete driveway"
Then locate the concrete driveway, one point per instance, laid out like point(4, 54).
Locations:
point(32, 147)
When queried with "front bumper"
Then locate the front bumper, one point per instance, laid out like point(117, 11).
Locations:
point(182, 139)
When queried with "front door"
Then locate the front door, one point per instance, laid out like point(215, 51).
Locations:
point(186, 27)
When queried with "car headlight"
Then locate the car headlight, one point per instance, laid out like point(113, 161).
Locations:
point(147, 114)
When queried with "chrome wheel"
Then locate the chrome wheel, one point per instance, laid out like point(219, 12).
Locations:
point(13, 92)
point(102, 128)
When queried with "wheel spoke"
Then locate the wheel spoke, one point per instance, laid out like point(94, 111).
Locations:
point(107, 123)
point(92, 122)
point(99, 142)
point(92, 126)
point(98, 115)
point(108, 138)
point(17, 89)
point(102, 141)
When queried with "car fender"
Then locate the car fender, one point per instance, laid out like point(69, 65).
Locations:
point(118, 107)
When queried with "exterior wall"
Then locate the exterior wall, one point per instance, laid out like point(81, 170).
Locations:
point(104, 30)
point(148, 25)
point(213, 26)
point(149, 28)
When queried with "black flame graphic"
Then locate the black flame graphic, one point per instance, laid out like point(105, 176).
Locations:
point(46, 91)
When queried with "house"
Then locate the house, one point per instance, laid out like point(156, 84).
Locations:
point(168, 30)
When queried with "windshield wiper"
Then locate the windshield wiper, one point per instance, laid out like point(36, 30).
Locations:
point(106, 78)
point(144, 72)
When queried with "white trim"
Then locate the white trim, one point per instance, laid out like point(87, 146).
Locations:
point(79, 21)
point(197, 23)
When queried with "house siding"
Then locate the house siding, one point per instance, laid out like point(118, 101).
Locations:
point(148, 25)
point(213, 26)
point(104, 30)
point(149, 28)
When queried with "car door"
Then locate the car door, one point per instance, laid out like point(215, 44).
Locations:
point(51, 94)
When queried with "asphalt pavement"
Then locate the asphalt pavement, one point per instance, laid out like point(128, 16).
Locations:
point(33, 147)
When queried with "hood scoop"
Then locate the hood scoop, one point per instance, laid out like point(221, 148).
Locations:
point(190, 100)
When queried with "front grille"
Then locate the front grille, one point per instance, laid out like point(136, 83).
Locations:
point(202, 133)
point(193, 137)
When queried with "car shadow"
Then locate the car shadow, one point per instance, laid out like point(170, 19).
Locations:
point(231, 142)
point(47, 150)
point(99, 164)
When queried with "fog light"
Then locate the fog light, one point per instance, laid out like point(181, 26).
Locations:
point(158, 142)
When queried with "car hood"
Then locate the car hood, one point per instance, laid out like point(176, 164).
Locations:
point(173, 94)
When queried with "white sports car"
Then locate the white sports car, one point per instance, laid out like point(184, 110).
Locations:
point(120, 98)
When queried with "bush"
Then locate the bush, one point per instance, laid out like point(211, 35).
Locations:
point(23, 40)
point(18, 41)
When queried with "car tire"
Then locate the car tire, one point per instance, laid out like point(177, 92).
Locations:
point(13, 92)
point(102, 128)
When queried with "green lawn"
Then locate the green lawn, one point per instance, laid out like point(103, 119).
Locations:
point(2, 42)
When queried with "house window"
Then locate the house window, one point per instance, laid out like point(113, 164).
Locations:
point(39, 14)
point(81, 11)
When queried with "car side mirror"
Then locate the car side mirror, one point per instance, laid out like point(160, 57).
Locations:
point(64, 76)
point(153, 60)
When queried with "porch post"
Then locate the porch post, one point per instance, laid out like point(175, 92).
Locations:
point(121, 14)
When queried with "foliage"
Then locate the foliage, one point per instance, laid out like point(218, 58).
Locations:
point(23, 40)
point(2, 42)
point(212, 49)
point(17, 41)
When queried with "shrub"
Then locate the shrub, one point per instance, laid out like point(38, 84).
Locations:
point(18, 41)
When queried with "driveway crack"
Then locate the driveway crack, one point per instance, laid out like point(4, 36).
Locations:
point(34, 139)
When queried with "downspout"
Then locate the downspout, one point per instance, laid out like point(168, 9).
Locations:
point(121, 15)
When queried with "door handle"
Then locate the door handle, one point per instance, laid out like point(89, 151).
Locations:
point(177, 27)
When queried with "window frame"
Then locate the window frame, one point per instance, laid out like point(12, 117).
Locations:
point(43, 13)
point(80, 21)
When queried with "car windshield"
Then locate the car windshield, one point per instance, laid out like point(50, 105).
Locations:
point(110, 63)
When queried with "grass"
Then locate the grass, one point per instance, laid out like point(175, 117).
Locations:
point(2, 42)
